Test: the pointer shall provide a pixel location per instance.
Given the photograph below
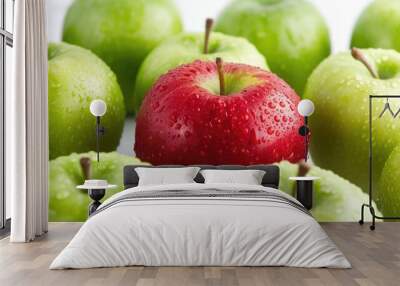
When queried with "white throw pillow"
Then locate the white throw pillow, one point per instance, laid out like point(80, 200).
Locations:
point(163, 176)
point(248, 177)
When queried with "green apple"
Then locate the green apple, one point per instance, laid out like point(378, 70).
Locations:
point(378, 26)
point(340, 89)
point(186, 48)
point(122, 33)
point(388, 192)
point(291, 34)
point(67, 203)
point(335, 198)
point(76, 77)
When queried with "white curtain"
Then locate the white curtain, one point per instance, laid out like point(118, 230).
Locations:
point(26, 124)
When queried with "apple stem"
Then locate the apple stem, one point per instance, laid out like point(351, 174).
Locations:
point(359, 55)
point(209, 24)
point(303, 169)
point(86, 167)
point(220, 69)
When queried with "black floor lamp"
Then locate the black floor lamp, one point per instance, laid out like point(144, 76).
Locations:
point(369, 205)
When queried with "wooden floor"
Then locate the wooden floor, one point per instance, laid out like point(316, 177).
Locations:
point(375, 257)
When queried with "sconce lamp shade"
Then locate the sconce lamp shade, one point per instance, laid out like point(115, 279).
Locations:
point(306, 107)
point(98, 107)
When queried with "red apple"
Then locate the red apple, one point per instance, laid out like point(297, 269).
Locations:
point(238, 114)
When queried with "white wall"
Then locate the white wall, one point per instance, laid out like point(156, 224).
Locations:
point(339, 14)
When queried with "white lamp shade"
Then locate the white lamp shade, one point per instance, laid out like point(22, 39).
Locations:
point(305, 107)
point(98, 107)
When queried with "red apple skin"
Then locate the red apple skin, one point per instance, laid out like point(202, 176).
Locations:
point(182, 123)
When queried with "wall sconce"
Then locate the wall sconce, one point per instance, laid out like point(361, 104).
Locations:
point(305, 108)
point(98, 108)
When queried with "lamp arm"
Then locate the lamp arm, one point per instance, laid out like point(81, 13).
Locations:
point(306, 138)
point(306, 143)
point(100, 131)
point(97, 138)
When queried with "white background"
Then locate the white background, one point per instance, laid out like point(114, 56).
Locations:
point(339, 14)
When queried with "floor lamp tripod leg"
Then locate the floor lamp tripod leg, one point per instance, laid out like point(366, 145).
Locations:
point(361, 221)
point(372, 210)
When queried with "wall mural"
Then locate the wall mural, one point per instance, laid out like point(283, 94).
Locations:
point(169, 101)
